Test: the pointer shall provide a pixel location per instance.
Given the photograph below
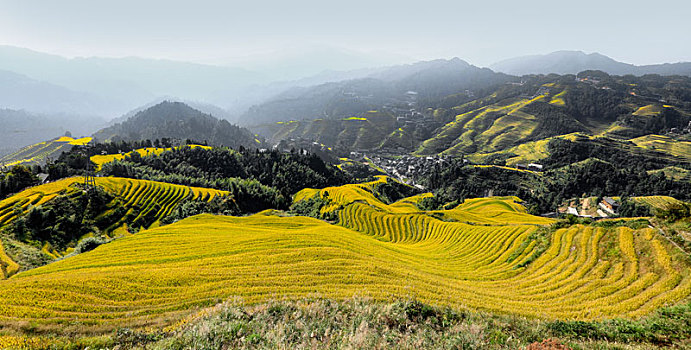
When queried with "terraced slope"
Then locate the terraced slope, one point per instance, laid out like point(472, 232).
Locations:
point(659, 202)
point(366, 132)
point(38, 153)
point(383, 251)
point(486, 129)
point(658, 146)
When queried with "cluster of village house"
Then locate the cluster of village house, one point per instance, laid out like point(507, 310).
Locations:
point(406, 168)
point(586, 207)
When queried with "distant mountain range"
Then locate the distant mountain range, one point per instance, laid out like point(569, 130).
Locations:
point(81, 94)
point(109, 87)
point(21, 92)
point(127, 82)
point(572, 62)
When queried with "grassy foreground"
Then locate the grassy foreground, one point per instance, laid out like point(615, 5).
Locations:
point(358, 323)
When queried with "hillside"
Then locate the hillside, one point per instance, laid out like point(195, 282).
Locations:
point(100, 159)
point(486, 254)
point(662, 148)
point(572, 62)
point(176, 120)
point(594, 103)
point(514, 114)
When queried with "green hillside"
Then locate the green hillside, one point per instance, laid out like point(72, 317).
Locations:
point(365, 132)
point(663, 148)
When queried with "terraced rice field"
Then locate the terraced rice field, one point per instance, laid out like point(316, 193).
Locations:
point(39, 152)
point(649, 110)
point(666, 144)
point(674, 172)
point(140, 197)
point(558, 99)
point(383, 251)
point(486, 129)
point(145, 203)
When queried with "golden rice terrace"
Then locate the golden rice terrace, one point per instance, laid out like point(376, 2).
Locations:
point(480, 255)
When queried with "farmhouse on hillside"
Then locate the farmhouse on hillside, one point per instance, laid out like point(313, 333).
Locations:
point(609, 205)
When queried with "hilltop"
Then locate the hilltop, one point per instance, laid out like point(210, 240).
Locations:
point(176, 120)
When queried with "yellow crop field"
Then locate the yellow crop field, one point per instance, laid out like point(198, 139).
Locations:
point(141, 199)
point(72, 141)
point(101, 159)
point(649, 110)
point(479, 257)
point(674, 172)
point(558, 99)
point(495, 210)
point(39, 152)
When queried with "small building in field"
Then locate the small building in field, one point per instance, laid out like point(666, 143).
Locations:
point(535, 167)
point(610, 205)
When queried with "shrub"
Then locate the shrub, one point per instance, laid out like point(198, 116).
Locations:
point(88, 244)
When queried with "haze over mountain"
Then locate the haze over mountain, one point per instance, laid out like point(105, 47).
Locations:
point(294, 64)
point(21, 92)
point(393, 85)
point(128, 82)
point(572, 62)
point(109, 87)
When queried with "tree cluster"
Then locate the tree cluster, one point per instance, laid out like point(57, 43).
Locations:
point(16, 179)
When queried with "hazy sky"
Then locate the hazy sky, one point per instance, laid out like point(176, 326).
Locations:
point(481, 32)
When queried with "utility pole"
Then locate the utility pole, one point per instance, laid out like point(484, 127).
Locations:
point(89, 179)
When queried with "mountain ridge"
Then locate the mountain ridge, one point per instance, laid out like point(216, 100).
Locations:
point(395, 85)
